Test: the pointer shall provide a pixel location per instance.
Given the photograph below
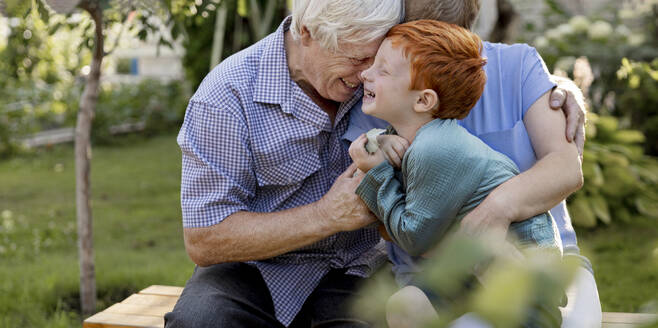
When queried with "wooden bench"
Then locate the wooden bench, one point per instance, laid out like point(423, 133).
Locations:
point(147, 309)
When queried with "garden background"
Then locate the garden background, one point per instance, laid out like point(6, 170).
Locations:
point(609, 48)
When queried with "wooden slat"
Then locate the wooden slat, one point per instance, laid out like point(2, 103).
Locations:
point(152, 300)
point(115, 320)
point(635, 318)
point(618, 325)
point(147, 309)
point(162, 290)
point(139, 309)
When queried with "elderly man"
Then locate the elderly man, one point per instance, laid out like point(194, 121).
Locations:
point(269, 211)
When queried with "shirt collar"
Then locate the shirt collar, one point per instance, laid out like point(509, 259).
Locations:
point(273, 77)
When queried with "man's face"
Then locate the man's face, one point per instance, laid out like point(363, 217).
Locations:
point(386, 93)
point(335, 75)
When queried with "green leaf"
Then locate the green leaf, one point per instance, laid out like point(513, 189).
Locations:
point(620, 181)
point(44, 14)
point(592, 174)
point(647, 206)
point(581, 213)
point(628, 136)
point(599, 206)
point(622, 214)
point(613, 159)
point(242, 8)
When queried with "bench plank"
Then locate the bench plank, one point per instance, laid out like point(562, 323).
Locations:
point(117, 320)
point(153, 300)
point(139, 309)
point(635, 318)
point(147, 309)
point(162, 290)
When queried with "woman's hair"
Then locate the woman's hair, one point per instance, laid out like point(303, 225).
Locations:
point(445, 58)
point(347, 21)
point(458, 12)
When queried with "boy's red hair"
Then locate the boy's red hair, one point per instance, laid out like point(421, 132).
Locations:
point(445, 58)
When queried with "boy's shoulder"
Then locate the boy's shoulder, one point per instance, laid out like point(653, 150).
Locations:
point(446, 139)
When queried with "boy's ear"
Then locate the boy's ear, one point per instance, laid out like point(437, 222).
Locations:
point(305, 37)
point(426, 101)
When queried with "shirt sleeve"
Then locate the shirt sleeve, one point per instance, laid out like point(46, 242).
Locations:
point(536, 79)
point(217, 173)
point(439, 180)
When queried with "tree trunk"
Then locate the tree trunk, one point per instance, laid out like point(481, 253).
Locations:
point(83, 166)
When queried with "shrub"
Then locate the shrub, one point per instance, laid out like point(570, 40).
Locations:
point(620, 181)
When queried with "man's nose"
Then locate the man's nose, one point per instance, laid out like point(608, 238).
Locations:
point(363, 76)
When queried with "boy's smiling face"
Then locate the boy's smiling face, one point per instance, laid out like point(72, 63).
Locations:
point(386, 83)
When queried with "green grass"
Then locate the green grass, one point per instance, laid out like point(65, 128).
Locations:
point(137, 229)
point(625, 261)
point(138, 234)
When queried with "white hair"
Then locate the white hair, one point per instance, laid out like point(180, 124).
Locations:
point(349, 21)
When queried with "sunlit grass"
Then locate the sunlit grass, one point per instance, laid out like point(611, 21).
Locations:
point(137, 229)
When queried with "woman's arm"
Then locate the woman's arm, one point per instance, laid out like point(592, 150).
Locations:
point(555, 175)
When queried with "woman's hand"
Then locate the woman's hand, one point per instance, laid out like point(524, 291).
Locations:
point(393, 147)
point(363, 160)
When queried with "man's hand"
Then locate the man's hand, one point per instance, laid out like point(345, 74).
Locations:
point(363, 160)
point(393, 147)
point(342, 207)
point(568, 97)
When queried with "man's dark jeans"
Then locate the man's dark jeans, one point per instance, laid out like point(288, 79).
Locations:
point(235, 295)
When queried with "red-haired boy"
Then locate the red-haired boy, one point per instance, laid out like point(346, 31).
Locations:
point(426, 75)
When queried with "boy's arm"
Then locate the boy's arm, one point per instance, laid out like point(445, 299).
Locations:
point(420, 215)
point(555, 175)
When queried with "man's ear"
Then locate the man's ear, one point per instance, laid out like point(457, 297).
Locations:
point(426, 101)
point(305, 36)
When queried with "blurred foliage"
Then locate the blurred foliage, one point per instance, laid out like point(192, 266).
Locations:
point(151, 106)
point(244, 27)
point(611, 57)
point(641, 95)
point(509, 288)
point(620, 181)
point(622, 30)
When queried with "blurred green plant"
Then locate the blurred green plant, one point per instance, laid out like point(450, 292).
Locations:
point(622, 31)
point(509, 288)
point(247, 21)
point(641, 95)
point(620, 181)
point(150, 107)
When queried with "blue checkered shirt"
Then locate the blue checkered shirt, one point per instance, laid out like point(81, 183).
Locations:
point(252, 140)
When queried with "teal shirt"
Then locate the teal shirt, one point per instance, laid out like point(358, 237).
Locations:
point(445, 173)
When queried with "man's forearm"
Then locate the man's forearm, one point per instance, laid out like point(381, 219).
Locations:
point(245, 236)
point(538, 189)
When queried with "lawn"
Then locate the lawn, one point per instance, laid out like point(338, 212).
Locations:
point(138, 234)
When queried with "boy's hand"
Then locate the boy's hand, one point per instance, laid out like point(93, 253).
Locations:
point(363, 160)
point(393, 147)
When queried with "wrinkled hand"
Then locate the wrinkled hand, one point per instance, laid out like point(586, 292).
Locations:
point(364, 160)
point(342, 207)
point(568, 97)
point(393, 147)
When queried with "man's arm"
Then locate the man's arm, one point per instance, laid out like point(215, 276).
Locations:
point(245, 236)
point(556, 174)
